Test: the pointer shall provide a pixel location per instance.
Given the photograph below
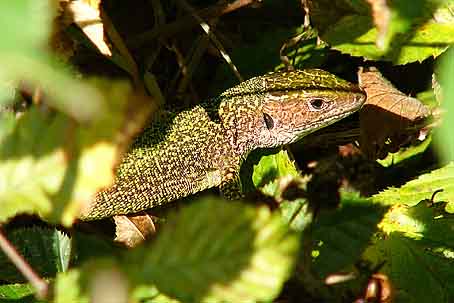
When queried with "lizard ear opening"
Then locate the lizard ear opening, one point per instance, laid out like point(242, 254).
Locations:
point(269, 122)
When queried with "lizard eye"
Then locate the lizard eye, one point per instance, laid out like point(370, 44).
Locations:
point(269, 122)
point(317, 104)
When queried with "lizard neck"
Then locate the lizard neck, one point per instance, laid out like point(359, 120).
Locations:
point(239, 125)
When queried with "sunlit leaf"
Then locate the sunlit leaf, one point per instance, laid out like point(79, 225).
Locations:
point(67, 288)
point(24, 57)
point(421, 188)
point(445, 139)
point(245, 255)
point(53, 166)
point(14, 292)
point(417, 252)
point(415, 31)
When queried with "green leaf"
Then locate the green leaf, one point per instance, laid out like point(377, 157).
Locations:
point(7, 93)
point(420, 222)
point(18, 35)
point(46, 250)
point(31, 163)
point(150, 294)
point(421, 188)
point(417, 248)
point(10, 293)
point(444, 138)
point(271, 167)
point(67, 288)
point(405, 153)
point(276, 175)
point(340, 237)
point(219, 251)
point(309, 52)
point(24, 57)
point(413, 35)
point(53, 166)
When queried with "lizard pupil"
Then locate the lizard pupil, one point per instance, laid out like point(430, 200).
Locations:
point(317, 104)
point(269, 122)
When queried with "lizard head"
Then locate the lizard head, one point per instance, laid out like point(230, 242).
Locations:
point(282, 107)
point(311, 99)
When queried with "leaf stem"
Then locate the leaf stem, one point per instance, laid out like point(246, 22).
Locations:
point(27, 271)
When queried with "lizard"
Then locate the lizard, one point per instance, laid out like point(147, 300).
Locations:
point(185, 152)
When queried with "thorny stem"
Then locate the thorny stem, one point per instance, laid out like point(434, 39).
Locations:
point(27, 271)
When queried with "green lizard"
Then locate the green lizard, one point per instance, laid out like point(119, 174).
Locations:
point(192, 150)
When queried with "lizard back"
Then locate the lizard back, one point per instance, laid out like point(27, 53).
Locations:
point(166, 162)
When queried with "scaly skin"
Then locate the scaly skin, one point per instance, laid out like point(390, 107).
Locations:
point(186, 152)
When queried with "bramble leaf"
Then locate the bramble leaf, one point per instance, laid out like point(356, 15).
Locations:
point(245, 255)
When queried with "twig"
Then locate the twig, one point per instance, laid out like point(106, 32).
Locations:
point(27, 271)
point(207, 29)
point(193, 61)
point(159, 21)
point(188, 22)
point(119, 44)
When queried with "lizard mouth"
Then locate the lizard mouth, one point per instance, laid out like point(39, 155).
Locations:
point(326, 121)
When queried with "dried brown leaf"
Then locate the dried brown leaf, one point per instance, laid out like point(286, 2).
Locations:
point(86, 15)
point(132, 230)
point(387, 117)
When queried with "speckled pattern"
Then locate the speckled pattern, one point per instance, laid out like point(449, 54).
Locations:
point(186, 152)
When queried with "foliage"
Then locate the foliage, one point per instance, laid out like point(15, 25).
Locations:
point(66, 121)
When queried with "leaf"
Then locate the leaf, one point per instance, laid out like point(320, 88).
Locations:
point(416, 149)
point(23, 57)
point(387, 117)
point(53, 166)
point(87, 17)
point(413, 33)
point(416, 242)
point(276, 175)
point(67, 288)
point(219, 251)
point(444, 138)
point(304, 50)
point(7, 93)
point(405, 153)
point(133, 229)
point(421, 188)
point(340, 237)
point(33, 34)
point(327, 13)
point(33, 161)
point(270, 167)
point(145, 294)
point(14, 292)
point(46, 250)
point(417, 248)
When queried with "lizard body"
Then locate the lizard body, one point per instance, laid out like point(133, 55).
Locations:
point(192, 150)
